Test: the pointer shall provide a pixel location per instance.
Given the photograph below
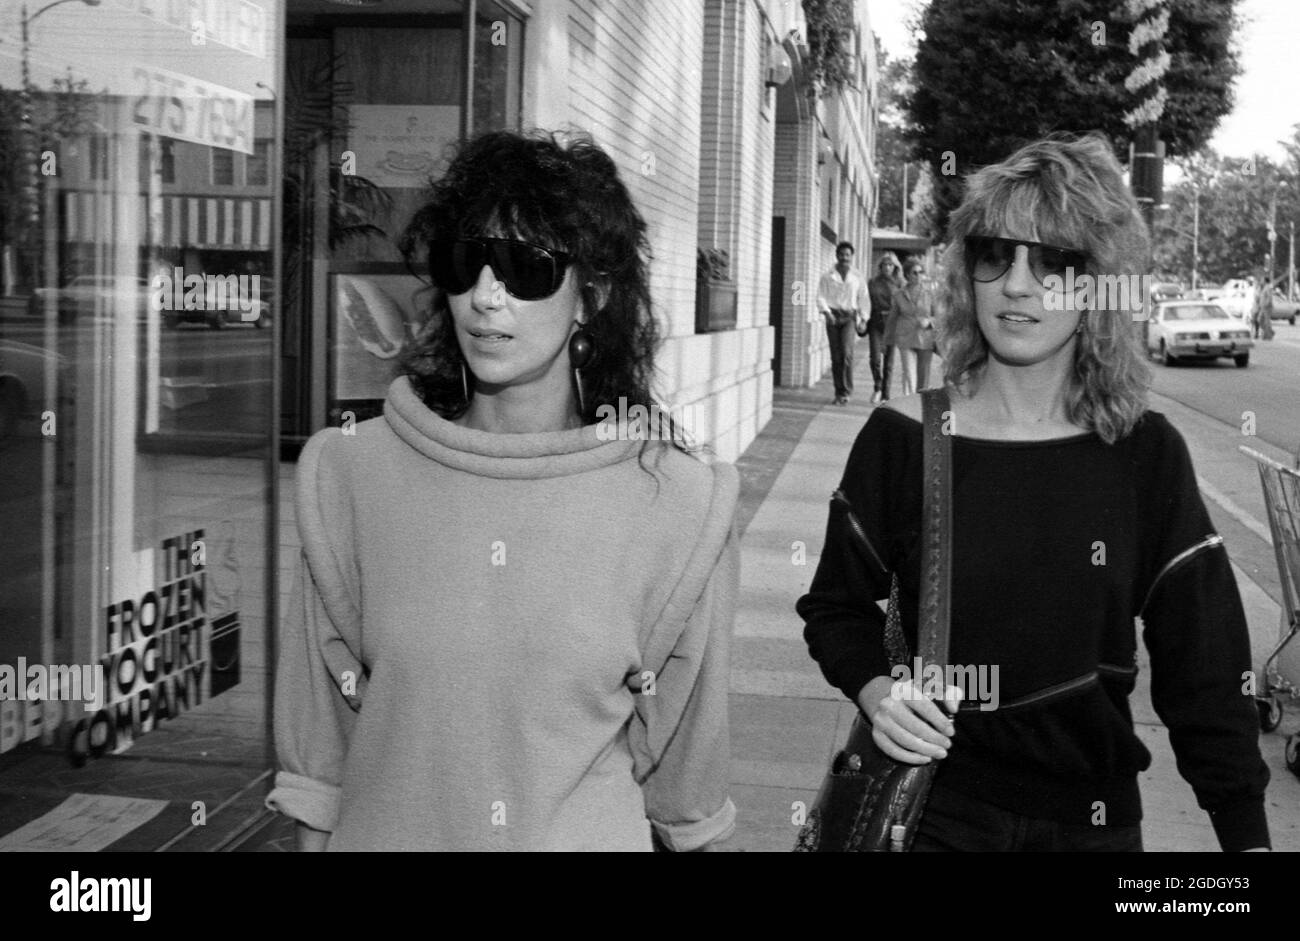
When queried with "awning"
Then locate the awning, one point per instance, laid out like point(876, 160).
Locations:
point(232, 223)
point(892, 240)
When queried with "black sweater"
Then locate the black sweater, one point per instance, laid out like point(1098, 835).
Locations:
point(1058, 547)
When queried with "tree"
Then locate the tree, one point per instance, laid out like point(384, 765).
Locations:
point(923, 217)
point(992, 75)
point(893, 150)
point(1236, 202)
point(61, 114)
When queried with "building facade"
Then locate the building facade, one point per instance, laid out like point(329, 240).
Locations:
point(198, 270)
point(825, 193)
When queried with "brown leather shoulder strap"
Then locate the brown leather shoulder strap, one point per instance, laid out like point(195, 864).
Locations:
point(936, 538)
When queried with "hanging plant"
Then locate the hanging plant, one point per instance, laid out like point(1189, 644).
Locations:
point(831, 60)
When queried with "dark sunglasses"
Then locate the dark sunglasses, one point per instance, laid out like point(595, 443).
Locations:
point(529, 272)
point(988, 258)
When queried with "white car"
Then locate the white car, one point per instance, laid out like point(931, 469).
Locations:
point(1187, 330)
point(22, 382)
point(1234, 297)
point(91, 294)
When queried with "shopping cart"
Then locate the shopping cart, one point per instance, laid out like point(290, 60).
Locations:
point(1282, 666)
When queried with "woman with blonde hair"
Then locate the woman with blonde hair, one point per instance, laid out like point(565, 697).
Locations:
point(889, 276)
point(1075, 511)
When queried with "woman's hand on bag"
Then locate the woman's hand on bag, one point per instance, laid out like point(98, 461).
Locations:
point(905, 725)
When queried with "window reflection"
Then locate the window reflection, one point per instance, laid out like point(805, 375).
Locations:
point(137, 308)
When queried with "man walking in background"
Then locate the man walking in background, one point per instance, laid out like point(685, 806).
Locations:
point(841, 296)
point(1261, 310)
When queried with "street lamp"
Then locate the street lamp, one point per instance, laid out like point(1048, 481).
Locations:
point(1196, 230)
point(1272, 230)
point(30, 206)
point(1290, 264)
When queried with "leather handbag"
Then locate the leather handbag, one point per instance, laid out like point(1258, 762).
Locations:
point(869, 802)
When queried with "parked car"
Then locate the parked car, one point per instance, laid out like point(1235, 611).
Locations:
point(259, 316)
point(1187, 330)
point(217, 315)
point(1284, 309)
point(1234, 298)
point(22, 382)
point(89, 294)
point(1160, 292)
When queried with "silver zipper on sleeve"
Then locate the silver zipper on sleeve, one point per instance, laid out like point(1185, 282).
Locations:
point(1209, 542)
point(856, 526)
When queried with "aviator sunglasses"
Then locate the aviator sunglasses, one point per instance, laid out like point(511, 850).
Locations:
point(529, 272)
point(988, 258)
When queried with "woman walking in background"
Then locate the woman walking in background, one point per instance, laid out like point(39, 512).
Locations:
point(881, 288)
point(510, 628)
point(1075, 511)
point(913, 325)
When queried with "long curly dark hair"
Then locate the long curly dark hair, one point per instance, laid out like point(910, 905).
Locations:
point(564, 193)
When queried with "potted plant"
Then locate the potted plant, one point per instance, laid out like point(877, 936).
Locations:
point(715, 292)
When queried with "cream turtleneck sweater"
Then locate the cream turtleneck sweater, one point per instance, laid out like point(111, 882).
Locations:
point(473, 617)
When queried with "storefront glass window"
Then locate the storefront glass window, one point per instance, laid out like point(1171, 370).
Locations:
point(199, 209)
point(498, 56)
point(377, 96)
point(137, 315)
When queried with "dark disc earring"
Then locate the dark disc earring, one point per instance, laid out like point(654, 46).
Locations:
point(581, 349)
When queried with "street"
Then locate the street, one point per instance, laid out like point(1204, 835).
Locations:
point(211, 382)
point(1268, 388)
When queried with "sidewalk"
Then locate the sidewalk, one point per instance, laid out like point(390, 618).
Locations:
point(786, 721)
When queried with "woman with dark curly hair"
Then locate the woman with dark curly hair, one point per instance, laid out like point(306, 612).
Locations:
point(1075, 511)
point(511, 627)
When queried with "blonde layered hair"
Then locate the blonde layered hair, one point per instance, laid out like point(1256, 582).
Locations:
point(890, 257)
point(1068, 192)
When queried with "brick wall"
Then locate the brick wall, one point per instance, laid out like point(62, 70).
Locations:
point(635, 81)
point(634, 84)
point(798, 197)
point(754, 220)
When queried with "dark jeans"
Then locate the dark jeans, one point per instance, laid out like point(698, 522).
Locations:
point(875, 348)
point(842, 337)
point(956, 822)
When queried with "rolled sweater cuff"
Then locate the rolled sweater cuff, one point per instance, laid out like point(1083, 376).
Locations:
point(684, 837)
point(1241, 826)
point(305, 799)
